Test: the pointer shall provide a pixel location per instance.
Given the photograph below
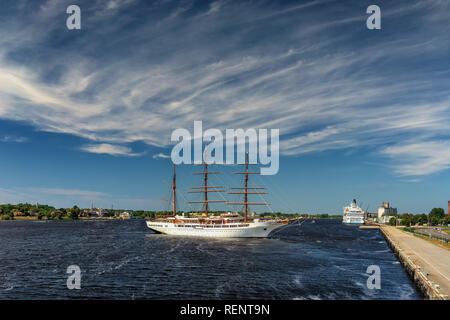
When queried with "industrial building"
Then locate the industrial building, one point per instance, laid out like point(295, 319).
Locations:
point(385, 212)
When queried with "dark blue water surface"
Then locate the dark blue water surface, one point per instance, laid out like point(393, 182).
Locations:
point(125, 260)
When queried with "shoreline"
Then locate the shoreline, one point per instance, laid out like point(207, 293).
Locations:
point(34, 219)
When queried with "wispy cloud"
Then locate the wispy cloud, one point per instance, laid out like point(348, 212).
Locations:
point(116, 4)
point(215, 6)
point(111, 149)
point(13, 139)
point(161, 156)
point(318, 75)
point(418, 159)
point(68, 192)
point(52, 196)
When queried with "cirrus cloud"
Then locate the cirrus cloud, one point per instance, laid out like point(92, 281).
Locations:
point(111, 149)
point(324, 80)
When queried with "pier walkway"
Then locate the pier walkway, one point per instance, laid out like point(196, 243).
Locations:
point(427, 263)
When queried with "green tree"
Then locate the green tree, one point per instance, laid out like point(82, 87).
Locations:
point(57, 214)
point(434, 220)
point(447, 219)
point(74, 213)
point(406, 219)
point(437, 212)
point(420, 219)
point(139, 213)
point(393, 221)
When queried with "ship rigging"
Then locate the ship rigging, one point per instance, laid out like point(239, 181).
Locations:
point(225, 225)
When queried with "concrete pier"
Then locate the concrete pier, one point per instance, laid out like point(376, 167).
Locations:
point(426, 263)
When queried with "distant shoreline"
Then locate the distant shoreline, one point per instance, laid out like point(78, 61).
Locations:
point(34, 219)
point(69, 219)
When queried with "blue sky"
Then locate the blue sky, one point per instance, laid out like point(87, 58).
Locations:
point(87, 114)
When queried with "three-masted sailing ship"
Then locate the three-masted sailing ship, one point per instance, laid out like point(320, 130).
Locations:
point(227, 225)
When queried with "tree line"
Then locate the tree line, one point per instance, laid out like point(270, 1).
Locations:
point(435, 217)
point(41, 211)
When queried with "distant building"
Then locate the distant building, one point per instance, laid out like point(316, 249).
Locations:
point(102, 212)
point(386, 210)
point(56, 213)
point(33, 212)
point(126, 215)
point(385, 219)
point(84, 213)
point(448, 209)
point(371, 215)
point(18, 213)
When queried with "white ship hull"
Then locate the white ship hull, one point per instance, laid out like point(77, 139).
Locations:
point(234, 230)
point(353, 220)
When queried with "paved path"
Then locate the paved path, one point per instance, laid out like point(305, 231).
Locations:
point(425, 254)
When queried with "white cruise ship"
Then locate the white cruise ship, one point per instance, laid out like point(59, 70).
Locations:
point(353, 214)
point(230, 225)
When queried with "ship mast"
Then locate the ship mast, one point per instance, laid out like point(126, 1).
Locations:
point(205, 189)
point(173, 192)
point(172, 187)
point(246, 188)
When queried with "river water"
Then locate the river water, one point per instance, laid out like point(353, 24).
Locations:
point(125, 260)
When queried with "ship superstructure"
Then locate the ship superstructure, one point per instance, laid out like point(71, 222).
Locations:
point(353, 214)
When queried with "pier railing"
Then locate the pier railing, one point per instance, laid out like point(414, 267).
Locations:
point(427, 235)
